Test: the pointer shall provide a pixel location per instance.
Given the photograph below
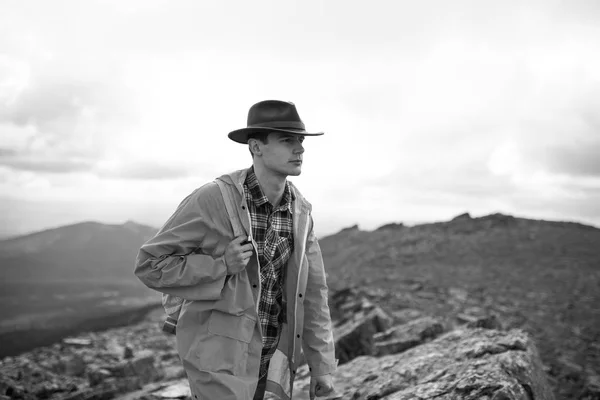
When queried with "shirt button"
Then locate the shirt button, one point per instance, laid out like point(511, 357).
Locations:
point(298, 336)
point(300, 295)
point(254, 285)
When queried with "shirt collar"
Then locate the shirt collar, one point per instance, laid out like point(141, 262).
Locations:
point(258, 196)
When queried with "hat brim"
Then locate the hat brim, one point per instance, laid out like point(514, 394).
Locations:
point(241, 135)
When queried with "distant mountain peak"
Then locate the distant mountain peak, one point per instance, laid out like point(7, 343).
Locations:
point(130, 223)
point(56, 246)
point(462, 217)
point(498, 216)
point(391, 226)
point(350, 228)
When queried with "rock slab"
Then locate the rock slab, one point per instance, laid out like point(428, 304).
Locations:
point(464, 364)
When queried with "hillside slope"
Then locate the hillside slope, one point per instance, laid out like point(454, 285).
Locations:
point(64, 280)
point(88, 250)
point(537, 275)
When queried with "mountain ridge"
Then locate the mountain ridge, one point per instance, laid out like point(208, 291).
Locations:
point(467, 215)
point(83, 250)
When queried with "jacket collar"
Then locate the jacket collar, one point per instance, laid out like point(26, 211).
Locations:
point(237, 179)
point(258, 196)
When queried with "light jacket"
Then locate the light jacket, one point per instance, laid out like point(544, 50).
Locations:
point(219, 337)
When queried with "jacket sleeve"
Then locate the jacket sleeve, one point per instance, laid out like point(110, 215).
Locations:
point(318, 344)
point(185, 258)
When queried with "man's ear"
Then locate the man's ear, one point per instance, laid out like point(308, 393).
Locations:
point(254, 147)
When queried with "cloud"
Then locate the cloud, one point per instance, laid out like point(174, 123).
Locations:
point(579, 153)
point(128, 170)
point(574, 160)
point(143, 170)
point(429, 108)
point(7, 152)
point(57, 118)
point(43, 164)
point(44, 102)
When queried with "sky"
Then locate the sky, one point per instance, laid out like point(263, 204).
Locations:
point(116, 110)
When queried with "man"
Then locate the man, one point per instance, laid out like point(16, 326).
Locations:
point(242, 254)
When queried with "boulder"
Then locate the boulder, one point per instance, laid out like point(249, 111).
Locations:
point(179, 390)
point(458, 294)
point(78, 342)
point(161, 343)
point(477, 317)
point(488, 322)
point(405, 315)
point(142, 367)
point(127, 353)
point(403, 337)
point(172, 372)
point(97, 375)
point(467, 364)
point(73, 365)
point(356, 305)
point(355, 337)
point(115, 350)
point(343, 296)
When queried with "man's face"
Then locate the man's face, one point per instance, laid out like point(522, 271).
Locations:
point(282, 154)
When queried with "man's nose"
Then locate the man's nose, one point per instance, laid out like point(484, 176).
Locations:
point(299, 148)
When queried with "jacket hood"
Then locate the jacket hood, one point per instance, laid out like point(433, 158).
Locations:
point(237, 178)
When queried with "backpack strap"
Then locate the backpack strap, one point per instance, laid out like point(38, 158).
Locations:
point(228, 197)
point(172, 304)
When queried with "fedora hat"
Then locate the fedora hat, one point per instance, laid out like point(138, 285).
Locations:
point(271, 116)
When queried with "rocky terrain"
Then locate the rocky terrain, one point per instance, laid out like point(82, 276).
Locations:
point(399, 353)
point(539, 276)
point(475, 308)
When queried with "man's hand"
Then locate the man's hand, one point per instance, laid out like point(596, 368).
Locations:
point(237, 254)
point(321, 386)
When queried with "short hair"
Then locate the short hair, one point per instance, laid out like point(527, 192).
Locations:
point(262, 137)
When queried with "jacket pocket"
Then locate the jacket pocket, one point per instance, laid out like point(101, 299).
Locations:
point(224, 347)
point(238, 327)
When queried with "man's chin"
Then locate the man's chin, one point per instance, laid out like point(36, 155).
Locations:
point(295, 172)
point(288, 171)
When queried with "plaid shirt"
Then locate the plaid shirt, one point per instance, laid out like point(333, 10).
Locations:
point(272, 231)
